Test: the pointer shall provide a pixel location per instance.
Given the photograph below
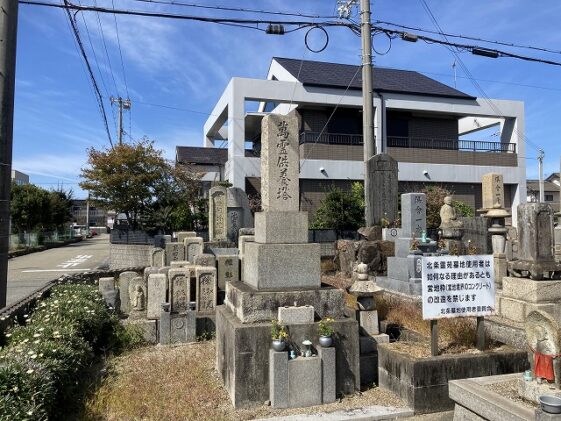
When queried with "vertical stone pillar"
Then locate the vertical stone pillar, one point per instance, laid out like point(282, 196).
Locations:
point(217, 215)
point(382, 170)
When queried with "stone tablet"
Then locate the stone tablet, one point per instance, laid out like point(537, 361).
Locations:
point(206, 289)
point(280, 163)
point(493, 191)
point(182, 235)
point(124, 281)
point(413, 214)
point(217, 222)
point(228, 269)
point(174, 252)
point(193, 247)
point(205, 259)
point(158, 257)
point(106, 284)
point(382, 169)
point(179, 289)
point(157, 291)
point(235, 220)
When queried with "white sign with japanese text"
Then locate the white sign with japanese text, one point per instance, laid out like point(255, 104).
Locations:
point(458, 286)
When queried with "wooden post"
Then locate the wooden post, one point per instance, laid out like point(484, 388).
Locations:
point(434, 337)
point(480, 334)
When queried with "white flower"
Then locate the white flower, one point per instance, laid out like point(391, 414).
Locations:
point(33, 356)
point(37, 341)
point(36, 335)
point(8, 335)
point(30, 371)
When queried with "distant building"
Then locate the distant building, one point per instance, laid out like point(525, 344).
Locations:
point(550, 188)
point(20, 178)
point(98, 216)
point(419, 121)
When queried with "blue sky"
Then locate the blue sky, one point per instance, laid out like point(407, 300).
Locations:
point(175, 71)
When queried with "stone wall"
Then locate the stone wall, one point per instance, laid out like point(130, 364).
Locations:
point(127, 255)
point(476, 230)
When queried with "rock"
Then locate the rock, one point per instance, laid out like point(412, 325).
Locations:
point(375, 255)
point(345, 256)
point(373, 233)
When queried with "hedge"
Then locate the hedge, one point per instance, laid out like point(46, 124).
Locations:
point(42, 362)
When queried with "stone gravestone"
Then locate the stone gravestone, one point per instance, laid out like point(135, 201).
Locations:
point(205, 259)
point(182, 235)
point(125, 279)
point(382, 169)
point(175, 252)
point(217, 221)
point(239, 213)
point(160, 240)
point(280, 163)
point(206, 289)
point(157, 291)
point(535, 243)
point(493, 191)
point(413, 214)
point(158, 257)
point(228, 266)
point(281, 257)
point(179, 289)
point(193, 247)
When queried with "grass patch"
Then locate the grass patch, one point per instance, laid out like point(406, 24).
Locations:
point(180, 383)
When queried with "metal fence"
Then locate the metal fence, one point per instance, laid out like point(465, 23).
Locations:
point(450, 144)
point(39, 238)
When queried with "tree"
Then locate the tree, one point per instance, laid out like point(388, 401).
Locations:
point(341, 209)
point(136, 180)
point(435, 199)
point(29, 207)
point(60, 208)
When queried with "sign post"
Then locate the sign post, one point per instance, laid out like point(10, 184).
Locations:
point(458, 286)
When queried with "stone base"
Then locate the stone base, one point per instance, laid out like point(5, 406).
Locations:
point(281, 227)
point(242, 355)
point(500, 266)
point(369, 344)
point(403, 268)
point(251, 306)
point(517, 310)
point(520, 296)
point(535, 270)
point(411, 287)
point(282, 266)
point(531, 391)
point(148, 328)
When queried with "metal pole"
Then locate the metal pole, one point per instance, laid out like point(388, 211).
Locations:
point(8, 41)
point(120, 121)
point(367, 103)
point(88, 214)
point(540, 169)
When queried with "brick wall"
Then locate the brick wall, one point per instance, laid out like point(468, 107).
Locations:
point(127, 255)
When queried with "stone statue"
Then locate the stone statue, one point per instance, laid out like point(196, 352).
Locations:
point(448, 215)
point(138, 299)
point(544, 340)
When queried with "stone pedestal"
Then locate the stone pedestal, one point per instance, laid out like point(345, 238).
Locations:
point(500, 266)
point(242, 356)
point(520, 296)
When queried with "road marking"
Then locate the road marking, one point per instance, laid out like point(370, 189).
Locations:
point(55, 270)
point(75, 261)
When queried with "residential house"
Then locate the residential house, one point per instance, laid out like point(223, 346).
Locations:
point(431, 129)
point(551, 190)
point(20, 178)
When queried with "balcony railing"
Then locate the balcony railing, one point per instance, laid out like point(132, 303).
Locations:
point(450, 144)
point(411, 142)
point(330, 138)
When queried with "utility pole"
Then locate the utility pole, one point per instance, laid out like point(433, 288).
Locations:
point(122, 104)
point(367, 103)
point(540, 170)
point(8, 42)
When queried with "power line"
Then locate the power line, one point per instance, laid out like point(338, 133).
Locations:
point(100, 25)
point(505, 43)
point(98, 95)
point(235, 9)
point(120, 52)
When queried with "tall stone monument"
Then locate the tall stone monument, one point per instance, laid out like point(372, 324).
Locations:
point(217, 215)
point(382, 170)
point(279, 269)
point(492, 188)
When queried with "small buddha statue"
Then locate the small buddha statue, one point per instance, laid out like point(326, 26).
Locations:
point(138, 299)
point(448, 215)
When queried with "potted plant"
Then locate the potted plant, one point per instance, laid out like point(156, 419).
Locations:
point(325, 330)
point(278, 335)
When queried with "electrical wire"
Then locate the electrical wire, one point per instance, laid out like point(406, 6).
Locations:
point(235, 9)
point(98, 95)
point(326, 39)
point(505, 43)
point(120, 51)
point(102, 33)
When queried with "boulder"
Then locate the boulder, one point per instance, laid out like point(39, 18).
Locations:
point(375, 255)
point(373, 233)
point(345, 256)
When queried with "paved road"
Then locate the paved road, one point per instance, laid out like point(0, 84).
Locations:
point(32, 271)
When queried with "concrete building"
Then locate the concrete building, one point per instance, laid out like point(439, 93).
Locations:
point(430, 128)
point(98, 216)
point(550, 188)
point(20, 178)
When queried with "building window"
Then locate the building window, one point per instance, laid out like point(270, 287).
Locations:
point(549, 198)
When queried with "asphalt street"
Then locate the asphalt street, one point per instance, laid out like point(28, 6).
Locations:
point(32, 271)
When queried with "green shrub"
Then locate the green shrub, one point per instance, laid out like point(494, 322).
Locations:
point(42, 363)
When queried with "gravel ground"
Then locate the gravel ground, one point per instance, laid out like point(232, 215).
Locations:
point(510, 390)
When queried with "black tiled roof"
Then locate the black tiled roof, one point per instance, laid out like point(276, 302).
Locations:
point(317, 73)
point(203, 156)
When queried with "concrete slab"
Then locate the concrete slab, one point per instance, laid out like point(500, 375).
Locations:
point(372, 413)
